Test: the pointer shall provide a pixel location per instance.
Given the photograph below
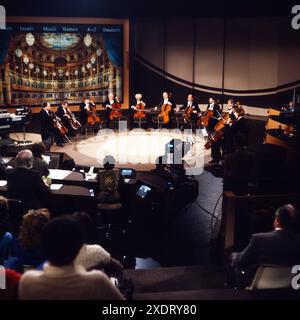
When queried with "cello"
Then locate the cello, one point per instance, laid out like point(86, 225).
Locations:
point(93, 118)
point(115, 111)
point(75, 124)
point(165, 110)
point(205, 118)
point(139, 108)
point(57, 123)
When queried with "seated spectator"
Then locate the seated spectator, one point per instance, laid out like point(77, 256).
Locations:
point(238, 167)
point(5, 236)
point(26, 250)
point(39, 164)
point(93, 255)
point(109, 182)
point(25, 184)
point(279, 247)
point(60, 278)
point(12, 279)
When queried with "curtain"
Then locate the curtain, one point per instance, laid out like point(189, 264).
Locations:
point(113, 44)
point(4, 44)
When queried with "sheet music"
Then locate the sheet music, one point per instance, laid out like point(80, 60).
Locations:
point(57, 174)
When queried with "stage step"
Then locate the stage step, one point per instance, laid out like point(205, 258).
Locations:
point(191, 278)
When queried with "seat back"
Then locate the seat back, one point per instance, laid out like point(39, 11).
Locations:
point(272, 277)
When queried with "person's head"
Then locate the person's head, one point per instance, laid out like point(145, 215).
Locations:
point(291, 104)
point(212, 100)
point(165, 95)
point(31, 228)
point(87, 226)
point(24, 159)
point(230, 103)
point(87, 100)
point(109, 162)
point(111, 96)
point(46, 105)
point(138, 96)
point(160, 165)
point(285, 217)
point(61, 241)
point(239, 111)
point(65, 104)
point(190, 97)
point(38, 149)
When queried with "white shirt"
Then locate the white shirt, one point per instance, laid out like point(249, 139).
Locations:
point(66, 283)
point(111, 102)
point(92, 255)
point(211, 106)
point(190, 103)
point(166, 101)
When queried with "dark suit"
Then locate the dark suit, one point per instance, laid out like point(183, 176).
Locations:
point(194, 106)
point(46, 124)
point(66, 122)
point(279, 247)
point(83, 114)
point(107, 111)
point(28, 186)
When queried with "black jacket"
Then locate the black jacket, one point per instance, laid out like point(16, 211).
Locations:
point(28, 186)
point(60, 112)
point(279, 247)
point(46, 124)
point(194, 106)
point(216, 110)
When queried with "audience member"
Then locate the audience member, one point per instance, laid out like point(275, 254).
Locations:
point(12, 279)
point(27, 250)
point(93, 255)
point(109, 182)
point(5, 236)
point(279, 247)
point(25, 184)
point(39, 164)
point(60, 278)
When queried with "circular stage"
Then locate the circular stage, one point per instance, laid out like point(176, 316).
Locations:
point(137, 148)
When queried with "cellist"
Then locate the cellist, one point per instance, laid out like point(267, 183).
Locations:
point(138, 108)
point(108, 106)
point(190, 108)
point(166, 107)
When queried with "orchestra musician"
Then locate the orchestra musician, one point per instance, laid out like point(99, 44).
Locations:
point(190, 109)
point(107, 105)
point(288, 107)
point(48, 131)
point(166, 107)
point(86, 107)
point(138, 109)
point(216, 109)
point(63, 113)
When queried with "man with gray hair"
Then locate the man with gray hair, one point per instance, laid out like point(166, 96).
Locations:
point(25, 184)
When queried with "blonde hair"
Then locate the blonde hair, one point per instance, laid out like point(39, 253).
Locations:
point(31, 228)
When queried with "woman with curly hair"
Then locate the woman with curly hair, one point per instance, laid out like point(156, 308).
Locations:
point(26, 250)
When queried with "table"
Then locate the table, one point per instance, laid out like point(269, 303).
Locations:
point(68, 177)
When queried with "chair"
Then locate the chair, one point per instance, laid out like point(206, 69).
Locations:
point(272, 277)
point(108, 211)
point(159, 121)
point(140, 121)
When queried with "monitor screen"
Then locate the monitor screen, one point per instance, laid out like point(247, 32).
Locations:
point(126, 172)
point(142, 191)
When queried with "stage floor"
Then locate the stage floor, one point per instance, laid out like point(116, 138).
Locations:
point(136, 149)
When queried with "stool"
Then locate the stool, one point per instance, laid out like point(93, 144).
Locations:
point(116, 122)
point(140, 121)
point(108, 210)
point(159, 121)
